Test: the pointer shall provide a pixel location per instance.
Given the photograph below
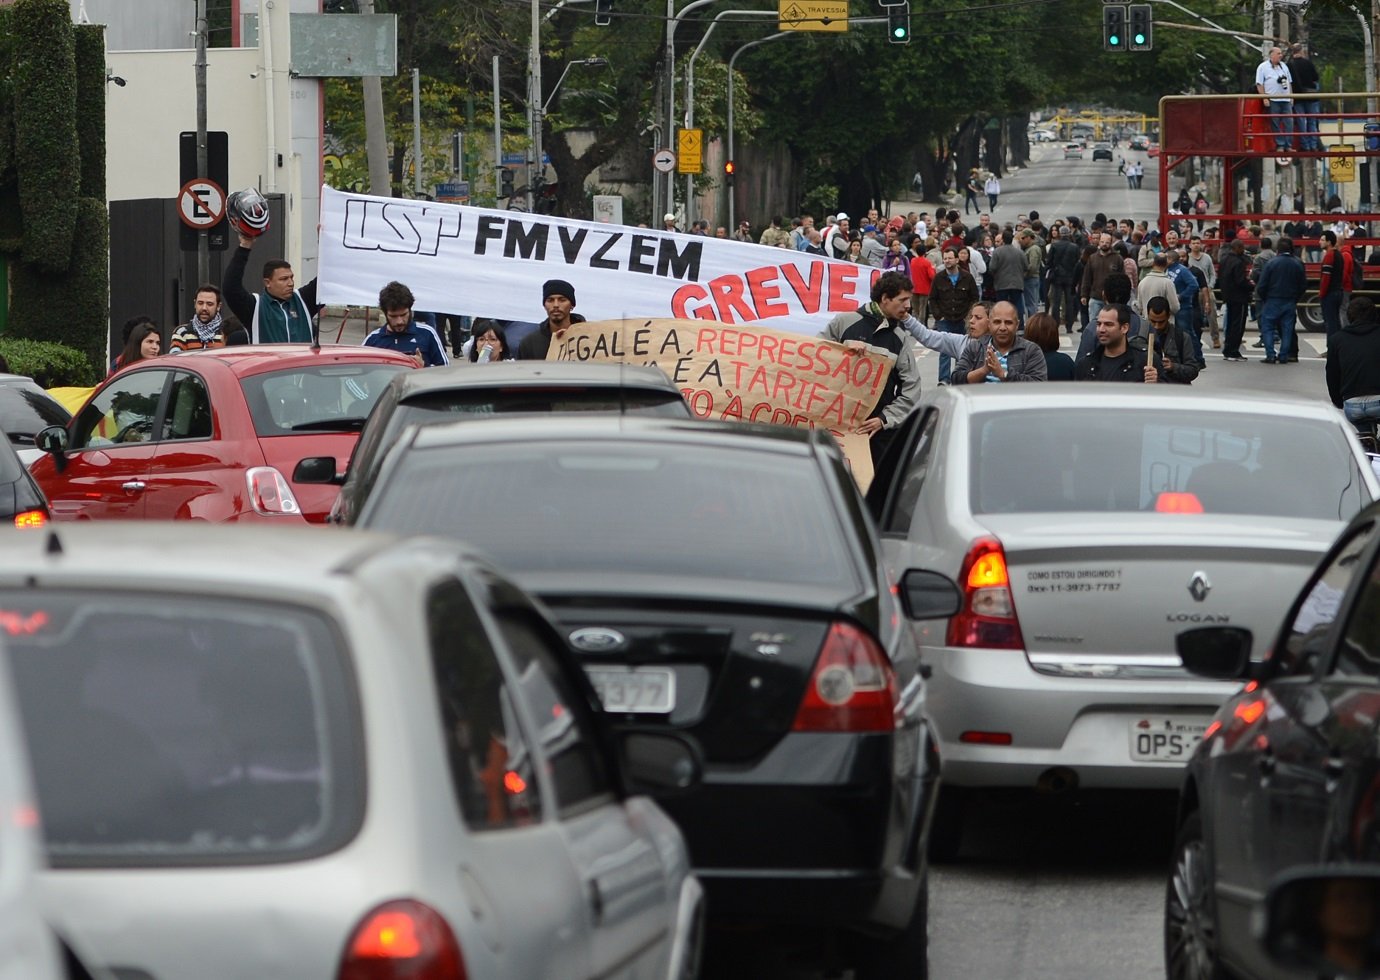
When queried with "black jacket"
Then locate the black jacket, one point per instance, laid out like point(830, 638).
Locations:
point(952, 300)
point(535, 345)
point(1353, 361)
point(1062, 262)
point(1090, 368)
point(1233, 278)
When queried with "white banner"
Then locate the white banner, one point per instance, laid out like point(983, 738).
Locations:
point(459, 259)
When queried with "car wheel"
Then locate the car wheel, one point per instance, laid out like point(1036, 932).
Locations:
point(946, 829)
point(904, 956)
point(1310, 317)
point(1190, 909)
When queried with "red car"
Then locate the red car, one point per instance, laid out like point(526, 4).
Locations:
point(239, 433)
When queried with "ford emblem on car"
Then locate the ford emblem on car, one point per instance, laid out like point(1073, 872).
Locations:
point(597, 639)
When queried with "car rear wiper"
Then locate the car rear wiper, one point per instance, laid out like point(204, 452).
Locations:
point(331, 425)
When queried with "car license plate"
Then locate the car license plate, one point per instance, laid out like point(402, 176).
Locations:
point(639, 690)
point(1165, 739)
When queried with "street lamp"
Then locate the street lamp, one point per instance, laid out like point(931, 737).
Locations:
point(595, 62)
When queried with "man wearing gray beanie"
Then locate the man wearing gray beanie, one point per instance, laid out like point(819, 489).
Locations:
point(558, 296)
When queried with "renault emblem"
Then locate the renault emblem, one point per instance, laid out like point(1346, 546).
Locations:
point(1199, 586)
point(598, 639)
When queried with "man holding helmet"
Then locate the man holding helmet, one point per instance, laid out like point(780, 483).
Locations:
point(281, 314)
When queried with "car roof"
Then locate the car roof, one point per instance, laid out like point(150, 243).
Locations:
point(256, 359)
point(748, 436)
point(1091, 396)
point(264, 560)
point(537, 373)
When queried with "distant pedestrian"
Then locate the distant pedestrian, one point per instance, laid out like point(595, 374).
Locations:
point(992, 188)
point(1234, 277)
point(971, 190)
point(1281, 285)
point(1273, 81)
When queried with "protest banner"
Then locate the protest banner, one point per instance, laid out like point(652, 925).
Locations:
point(459, 259)
point(747, 374)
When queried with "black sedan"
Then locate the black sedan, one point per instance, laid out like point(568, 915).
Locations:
point(723, 581)
point(1288, 773)
point(22, 503)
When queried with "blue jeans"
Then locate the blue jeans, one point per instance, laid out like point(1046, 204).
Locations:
point(1032, 295)
point(1307, 128)
point(1281, 121)
point(1186, 321)
point(945, 361)
point(1332, 311)
point(1277, 319)
point(1361, 409)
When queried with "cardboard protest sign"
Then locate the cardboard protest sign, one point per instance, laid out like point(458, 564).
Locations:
point(747, 374)
point(459, 259)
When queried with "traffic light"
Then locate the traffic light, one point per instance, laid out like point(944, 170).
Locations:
point(1114, 27)
point(1140, 27)
point(730, 171)
point(505, 182)
point(898, 23)
point(602, 10)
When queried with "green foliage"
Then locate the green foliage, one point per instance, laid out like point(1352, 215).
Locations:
point(47, 155)
point(51, 365)
point(90, 63)
point(71, 309)
point(6, 99)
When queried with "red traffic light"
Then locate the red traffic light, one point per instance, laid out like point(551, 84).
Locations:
point(729, 168)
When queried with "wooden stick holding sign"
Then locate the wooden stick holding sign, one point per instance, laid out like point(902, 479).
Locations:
point(748, 374)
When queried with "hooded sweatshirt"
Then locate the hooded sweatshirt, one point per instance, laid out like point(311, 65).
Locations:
point(1353, 361)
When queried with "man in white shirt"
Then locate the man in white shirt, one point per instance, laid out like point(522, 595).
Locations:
point(1273, 81)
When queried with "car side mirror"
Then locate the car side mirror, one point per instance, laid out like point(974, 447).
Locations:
point(658, 764)
point(1323, 921)
point(53, 440)
point(317, 469)
point(1218, 652)
point(929, 595)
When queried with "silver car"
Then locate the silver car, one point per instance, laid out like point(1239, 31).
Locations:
point(1088, 524)
point(28, 949)
point(274, 752)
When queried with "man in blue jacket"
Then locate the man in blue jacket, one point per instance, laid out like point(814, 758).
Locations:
point(1281, 285)
point(401, 331)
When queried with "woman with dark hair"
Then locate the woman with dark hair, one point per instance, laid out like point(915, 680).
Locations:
point(143, 342)
point(1042, 330)
point(490, 344)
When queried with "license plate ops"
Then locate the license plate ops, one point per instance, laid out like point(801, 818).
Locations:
point(634, 690)
point(1165, 739)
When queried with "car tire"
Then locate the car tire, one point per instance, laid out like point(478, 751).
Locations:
point(1310, 316)
point(946, 828)
point(1190, 908)
point(904, 956)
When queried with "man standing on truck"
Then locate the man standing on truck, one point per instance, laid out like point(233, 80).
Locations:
point(1273, 81)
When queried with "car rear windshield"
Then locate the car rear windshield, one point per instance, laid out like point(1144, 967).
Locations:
point(316, 398)
point(1059, 460)
point(630, 507)
point(25, 410)
point(441, 406)
point(181, 729)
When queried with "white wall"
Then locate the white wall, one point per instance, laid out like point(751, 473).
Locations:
point(140, 25)
point(273, 121)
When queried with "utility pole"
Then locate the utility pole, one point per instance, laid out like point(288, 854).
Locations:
point(203, 243)
point(416, 132)
point(375, 137)
point(498, 134)
point(534, 121)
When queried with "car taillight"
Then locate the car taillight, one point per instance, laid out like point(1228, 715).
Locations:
point(269, 492)
point(402, 940)
point(30, 519)
point(988, 616)
point(852, 688)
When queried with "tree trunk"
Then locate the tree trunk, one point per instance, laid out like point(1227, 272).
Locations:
point(964, 145)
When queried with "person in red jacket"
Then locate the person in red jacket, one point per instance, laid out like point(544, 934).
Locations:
point(1332, 280)
point(922, 276)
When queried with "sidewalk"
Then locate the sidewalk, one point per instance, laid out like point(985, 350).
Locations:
point(347, 325)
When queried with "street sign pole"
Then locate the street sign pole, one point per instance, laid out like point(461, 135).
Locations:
point(203, 243)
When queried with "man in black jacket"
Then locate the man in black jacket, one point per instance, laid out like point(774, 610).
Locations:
point(558, 296)
point(1353, 363)
point(1234, 280)
point(1061, 266)
point(281, 314)
point(1114, 359)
